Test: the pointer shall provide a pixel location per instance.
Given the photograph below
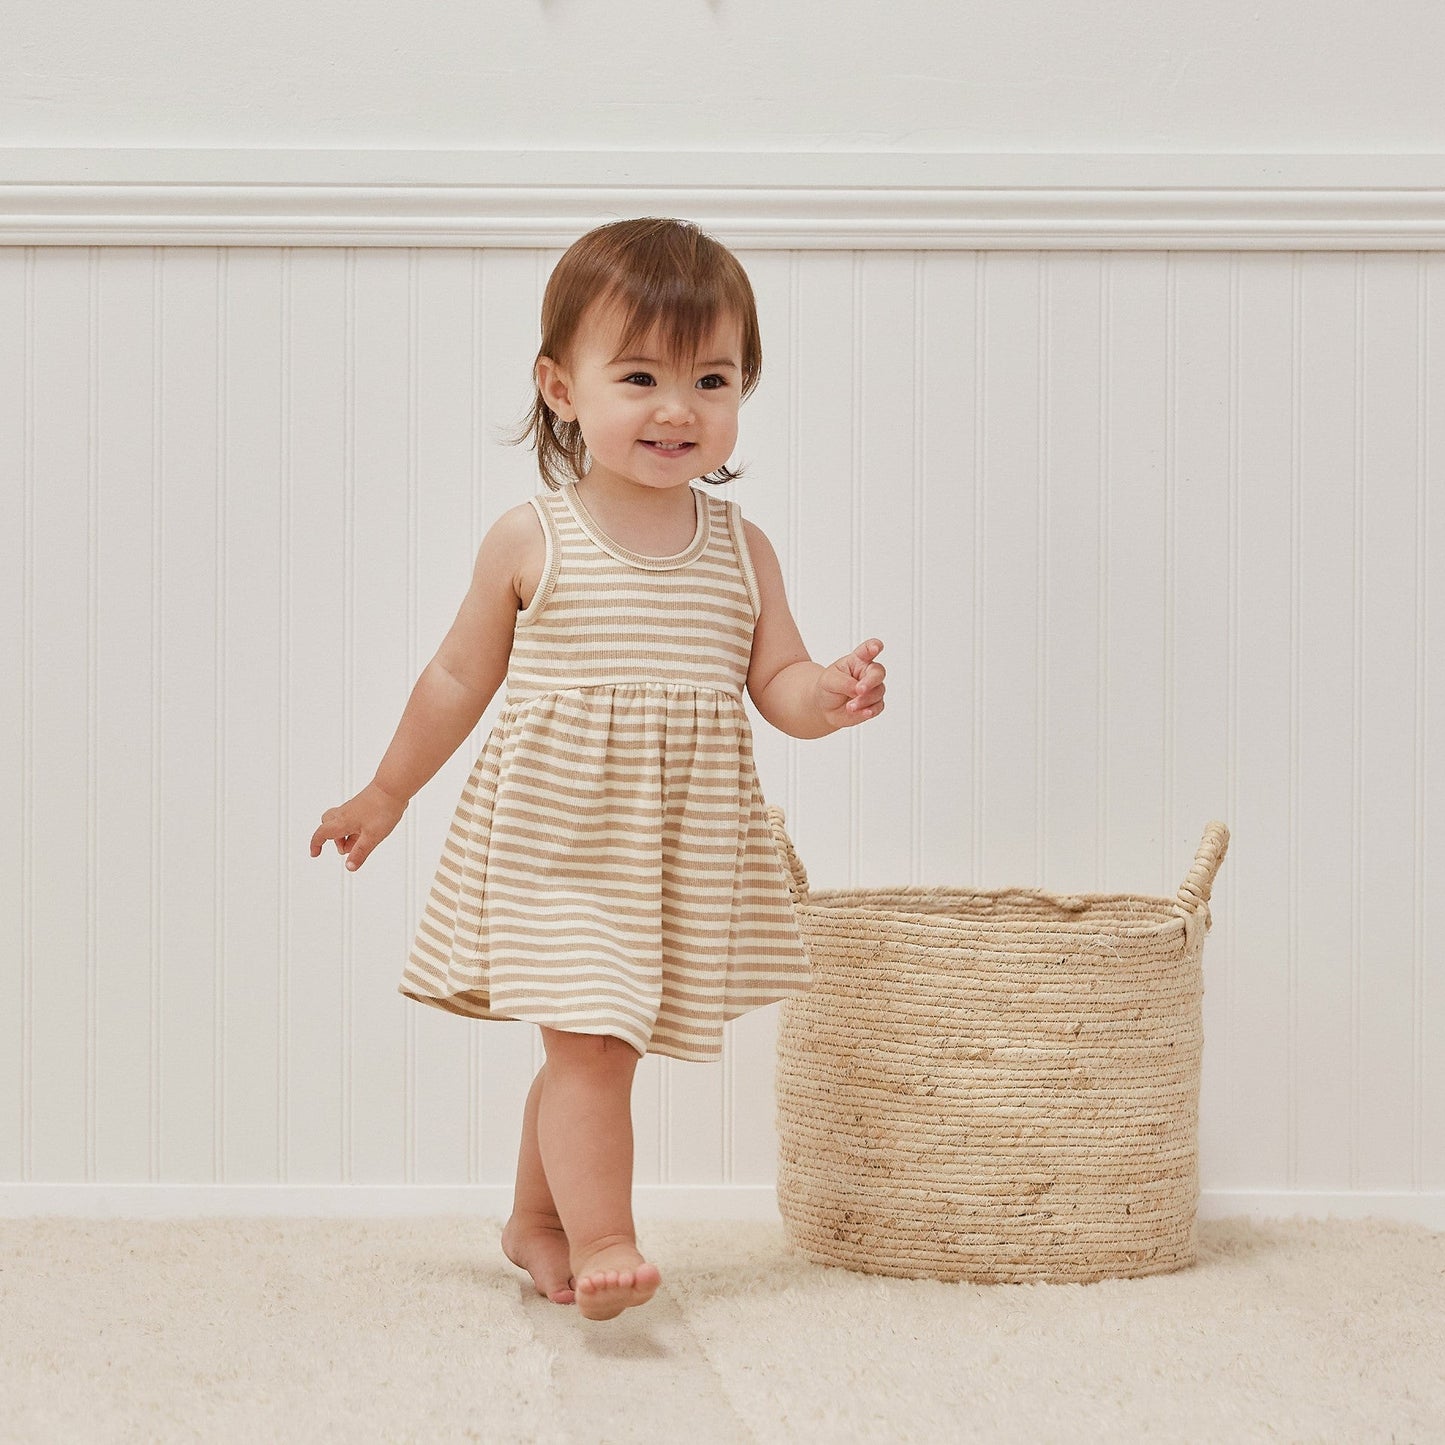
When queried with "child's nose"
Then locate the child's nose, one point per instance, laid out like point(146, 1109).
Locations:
point(674, 407)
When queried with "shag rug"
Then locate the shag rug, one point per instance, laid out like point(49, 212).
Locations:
point(420, 1330)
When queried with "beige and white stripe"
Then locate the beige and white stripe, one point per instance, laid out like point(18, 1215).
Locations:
point(610, 868)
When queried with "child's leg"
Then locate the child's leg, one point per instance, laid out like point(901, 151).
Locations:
point(533, 1237)
point(584, 1129)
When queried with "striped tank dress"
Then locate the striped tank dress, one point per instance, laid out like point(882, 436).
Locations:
point(609, 868)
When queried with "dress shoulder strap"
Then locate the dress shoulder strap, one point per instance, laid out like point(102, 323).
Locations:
point(544, 508)
point(740, 550)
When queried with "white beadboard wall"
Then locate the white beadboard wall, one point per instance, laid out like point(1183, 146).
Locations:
point(1151, 537)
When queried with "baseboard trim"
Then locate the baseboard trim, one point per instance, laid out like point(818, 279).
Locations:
point(740, 1202)
point(1425, 1207)
point(368, 1201)
point(765, 200)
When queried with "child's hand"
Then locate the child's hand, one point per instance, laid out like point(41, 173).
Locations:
point(359, 825)
point(851, 690)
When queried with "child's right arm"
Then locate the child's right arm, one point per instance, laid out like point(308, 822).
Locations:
point(450, 695)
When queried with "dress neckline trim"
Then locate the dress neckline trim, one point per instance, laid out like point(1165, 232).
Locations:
point(615, 549)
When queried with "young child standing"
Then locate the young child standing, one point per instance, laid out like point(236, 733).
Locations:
point(610, 874)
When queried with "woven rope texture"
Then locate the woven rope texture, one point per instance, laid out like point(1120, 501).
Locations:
point(1000, 1087)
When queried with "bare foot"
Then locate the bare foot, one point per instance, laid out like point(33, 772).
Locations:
point(614, 1279)
point(542, 1251)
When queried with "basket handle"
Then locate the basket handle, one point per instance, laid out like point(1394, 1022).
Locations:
point(797, 874)
point(1194, 891)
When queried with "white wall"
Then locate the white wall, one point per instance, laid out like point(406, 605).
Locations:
point(913, 75)
point(1138, 484)
point(1148, 536)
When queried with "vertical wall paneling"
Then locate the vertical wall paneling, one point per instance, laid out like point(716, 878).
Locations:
point(1069, 635)
point(382, 484)
point(1292, 909)
point(823, 597)
point(252, 774)
point(92, 391)
point(284, 860)
point(16, 548)
point(1197, 646)
point(1136, 583)
point(58, 674)
point(1417, 911)
point(1011, 566)
point(123, 565)
point(191, 821)
point(1249, 1006)
point(1385, 740)
point(1429, 991)
point(1150, 537)
point(949, 378)
point(917, 550)
point(315, 387)
point(1246, 1003)
point(1043, 447)
point(885, 501)
point(1326, 662)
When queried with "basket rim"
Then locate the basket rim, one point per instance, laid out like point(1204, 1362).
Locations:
point(839, 903)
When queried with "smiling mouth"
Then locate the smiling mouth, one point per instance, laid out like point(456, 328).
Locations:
point(672, 448)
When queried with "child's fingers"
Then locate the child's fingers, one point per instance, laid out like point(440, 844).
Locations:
point(854, 685)
point(355, 847)
point(335, 827)
point(325, 833)
point(868, 689)
point(871, 677)
point(838, 677)
point(851, 716)
point(862, 655)
point(856, 670)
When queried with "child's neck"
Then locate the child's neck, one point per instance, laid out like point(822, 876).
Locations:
point(659, 521)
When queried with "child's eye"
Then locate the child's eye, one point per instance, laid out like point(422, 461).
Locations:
point(642, 378)
point(712, 381)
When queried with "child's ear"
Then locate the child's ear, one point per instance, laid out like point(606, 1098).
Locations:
point(555, 388)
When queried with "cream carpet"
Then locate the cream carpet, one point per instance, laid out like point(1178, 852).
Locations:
point(419, 1330)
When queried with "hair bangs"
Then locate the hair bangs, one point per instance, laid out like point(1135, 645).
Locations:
point(676, 291)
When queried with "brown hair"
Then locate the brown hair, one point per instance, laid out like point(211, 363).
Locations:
point(662, 273)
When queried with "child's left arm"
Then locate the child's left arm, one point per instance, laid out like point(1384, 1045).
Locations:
point(797, 695)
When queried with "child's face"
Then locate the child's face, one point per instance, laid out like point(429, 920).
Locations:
point(648, 419)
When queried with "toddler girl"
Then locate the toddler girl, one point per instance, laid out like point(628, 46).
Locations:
point(610, 874)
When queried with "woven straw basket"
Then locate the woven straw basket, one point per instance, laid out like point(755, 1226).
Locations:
point(1001, 1087)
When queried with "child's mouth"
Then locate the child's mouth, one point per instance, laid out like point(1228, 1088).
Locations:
point(669, 449)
